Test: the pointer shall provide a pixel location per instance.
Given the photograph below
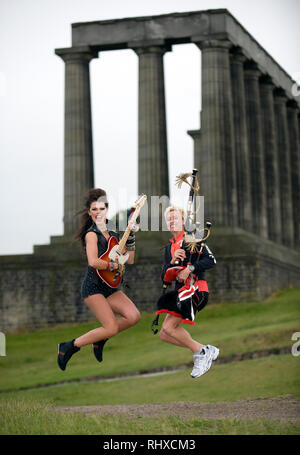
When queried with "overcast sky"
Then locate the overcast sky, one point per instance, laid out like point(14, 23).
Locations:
point(32, 101)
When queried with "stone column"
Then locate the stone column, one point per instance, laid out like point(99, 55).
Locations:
point(78, 155)
point(153, 173)
point(271, 165)
point(294, 141)
point(255, 144)
point(196, 136)
point(283, 146)
point(216, 162)
point(241, 141)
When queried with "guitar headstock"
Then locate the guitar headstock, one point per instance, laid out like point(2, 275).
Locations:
point(141, 201)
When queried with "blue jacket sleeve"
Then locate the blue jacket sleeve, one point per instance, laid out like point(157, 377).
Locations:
point(204, 261)
point(167, 260)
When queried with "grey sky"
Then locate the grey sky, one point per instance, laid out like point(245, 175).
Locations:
point(32, 101)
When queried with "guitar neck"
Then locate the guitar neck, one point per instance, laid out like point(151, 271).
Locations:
point(127, 232)
point(123, 240)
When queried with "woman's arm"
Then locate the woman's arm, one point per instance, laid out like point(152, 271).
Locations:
point(167, 261)
point(91, 242)
point(205, 261)
point(202, 262)
point(130, 260)
point(130, 244)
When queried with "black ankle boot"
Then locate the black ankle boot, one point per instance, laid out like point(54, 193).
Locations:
point(65, 352)
point(98, 349)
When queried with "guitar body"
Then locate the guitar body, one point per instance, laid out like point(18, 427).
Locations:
point(112, 279)
point(114, 252)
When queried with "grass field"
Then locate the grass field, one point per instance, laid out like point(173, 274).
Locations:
point(26, 417)
point(235, 328)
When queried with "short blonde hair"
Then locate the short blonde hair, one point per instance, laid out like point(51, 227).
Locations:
point(175, 208)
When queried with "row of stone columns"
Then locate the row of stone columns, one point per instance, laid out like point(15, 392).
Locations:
point(153, 176)
point(247, 151)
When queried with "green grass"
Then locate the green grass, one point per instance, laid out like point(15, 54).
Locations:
point(29, 418)
point(265, 377)
point(235, 328)
point(32, 411)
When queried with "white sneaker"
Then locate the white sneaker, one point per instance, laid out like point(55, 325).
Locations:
point(215, 351)
point(202, 362)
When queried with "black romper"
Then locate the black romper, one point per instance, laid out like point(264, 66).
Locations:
point(92, 284)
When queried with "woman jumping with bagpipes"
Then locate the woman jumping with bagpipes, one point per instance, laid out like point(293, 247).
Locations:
point(185, 261)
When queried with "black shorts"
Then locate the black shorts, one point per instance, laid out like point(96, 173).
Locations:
point(186, 309)
point(93, 285)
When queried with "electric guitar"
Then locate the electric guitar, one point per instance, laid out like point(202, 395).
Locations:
point(115, 250)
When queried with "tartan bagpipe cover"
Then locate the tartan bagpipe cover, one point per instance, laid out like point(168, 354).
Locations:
point(184, 302)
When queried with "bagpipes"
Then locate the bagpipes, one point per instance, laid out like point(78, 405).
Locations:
point(193, 242)
point(194, 237)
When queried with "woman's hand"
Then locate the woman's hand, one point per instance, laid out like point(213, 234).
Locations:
point(133, 226)
point(183, 275)
point(179, 255)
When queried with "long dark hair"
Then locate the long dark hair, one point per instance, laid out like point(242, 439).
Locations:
point(86, 221)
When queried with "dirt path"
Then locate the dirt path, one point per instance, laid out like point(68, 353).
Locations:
point(286, 408)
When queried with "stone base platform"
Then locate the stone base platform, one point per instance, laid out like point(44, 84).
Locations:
point(43, 289)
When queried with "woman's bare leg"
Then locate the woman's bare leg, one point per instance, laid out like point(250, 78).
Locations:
point(172, 332)
point(100, 307)
point(104, 309)
point(123, 306)
point(168, 339)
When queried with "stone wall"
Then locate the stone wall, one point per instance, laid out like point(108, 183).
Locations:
point(43, 289)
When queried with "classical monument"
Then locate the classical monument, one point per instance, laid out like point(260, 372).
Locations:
point(247, 151)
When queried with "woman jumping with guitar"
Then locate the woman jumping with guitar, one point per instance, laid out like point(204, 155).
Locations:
point(100, 288)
